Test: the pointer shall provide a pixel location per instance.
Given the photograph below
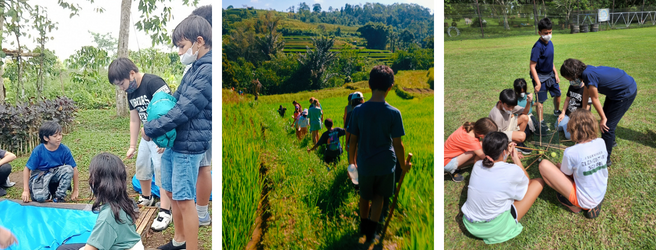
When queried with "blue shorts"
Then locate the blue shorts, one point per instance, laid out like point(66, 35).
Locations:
point(207, 157)
point(548, 85)
point(185, 166)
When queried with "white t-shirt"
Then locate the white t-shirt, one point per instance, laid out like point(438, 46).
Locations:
point(492, 190)
point(587, 163)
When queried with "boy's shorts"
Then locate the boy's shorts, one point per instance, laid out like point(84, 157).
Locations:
point(548, 85)
point(452, 166)
point(371, 185)
point(511, 128)
point(207, 157)
point(185, 166)
point(148, 162)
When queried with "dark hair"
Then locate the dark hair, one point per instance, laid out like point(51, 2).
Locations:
point(329, 123)
point(519, 85)
point(120, 68)
point(493, 146)
point(508, 96)
point(572, 68)
point(192, 27)
point(544, 24)
point(357, 102)
point(107, 181)
point(204, 12)
point(481, 127)
point(349, 98)
point(582, 125)
point(381, 78)
point(48, 128)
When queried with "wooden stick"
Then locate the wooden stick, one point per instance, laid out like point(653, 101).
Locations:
point(396, 196)
point(529, 165)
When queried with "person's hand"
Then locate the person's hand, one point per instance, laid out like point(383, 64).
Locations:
point(407, 166)
point(160, 150)
point(309, 149)
point(529, 98)
point(537, 88)
point(26, 196)
point(602, 125)
point(75, 194)
point(561, 117)
point(143, 135)
point(557, 79)
point(6, 238)
point(130, 153)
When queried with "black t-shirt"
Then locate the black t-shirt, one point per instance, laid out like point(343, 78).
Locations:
point(575, 95)
point(140, 98)
point(331, 138)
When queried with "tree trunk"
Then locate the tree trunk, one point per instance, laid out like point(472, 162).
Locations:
point(535, 17)
point(505, 21)
point(19, 91)
point(61, 80)
point(123, 34)
point(3, 92)
point(39, 87)
point(480, 19)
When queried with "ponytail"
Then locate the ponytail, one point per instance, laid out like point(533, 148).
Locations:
point(493, 146)
point(488, 162)
point(468, 126)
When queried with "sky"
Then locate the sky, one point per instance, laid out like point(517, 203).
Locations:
point(73, 32)
point(325, 4)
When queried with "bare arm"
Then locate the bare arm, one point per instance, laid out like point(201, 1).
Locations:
point(562, 114)
point(353, 145)
point(89, 247)
point(534, 73)
point(556, 72)
point(529, 98)
point(479, 153)
point(399, 149)
point(515, 157)
point(135, 125)
point(76, 184)
point(8, 158)
point(26, 185)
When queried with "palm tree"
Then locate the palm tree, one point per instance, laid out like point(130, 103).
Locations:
point(317, 61)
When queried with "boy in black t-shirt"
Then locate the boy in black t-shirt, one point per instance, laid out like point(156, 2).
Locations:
point(573, 101)
point(331, 139)
point(140, 88)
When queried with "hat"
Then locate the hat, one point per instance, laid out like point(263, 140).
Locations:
point(349, 98)
point(305, 112)
point(356, 95)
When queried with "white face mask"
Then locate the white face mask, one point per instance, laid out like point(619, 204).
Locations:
point(505, 156)
point(188, 57)
point(547, 37)
point(522, 95)
point(509, 112)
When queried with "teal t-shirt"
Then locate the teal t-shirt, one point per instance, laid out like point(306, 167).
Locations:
point(109, 234)
point(521, 103)
point(314, 114)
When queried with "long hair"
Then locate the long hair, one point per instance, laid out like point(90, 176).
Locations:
point(582, 126)
point(481, 127)
point(572, 68)
point(107, 181)
point(520, 86)
point(493, 146)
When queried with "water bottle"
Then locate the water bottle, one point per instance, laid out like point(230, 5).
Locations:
point(353, 172)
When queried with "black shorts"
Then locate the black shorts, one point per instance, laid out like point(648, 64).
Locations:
point(371, 185)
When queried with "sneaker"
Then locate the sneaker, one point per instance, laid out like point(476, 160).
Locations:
point(544, 126)
point(457, 177)
point(205, 221)
point(568, 204)
point(523, 151)
point(58, 200)
point(614, 145)
point(594, 213)
point(162, 221)
point(170, 246)
point(8, 183)
point(557, 112)
point(143, 202)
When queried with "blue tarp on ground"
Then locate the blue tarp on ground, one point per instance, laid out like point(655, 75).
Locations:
point(154, 189)
point(44, 227)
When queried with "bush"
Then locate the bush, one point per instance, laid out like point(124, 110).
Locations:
point(360, 76)
point(431, 76)
point(477, 23)
point(19, 124)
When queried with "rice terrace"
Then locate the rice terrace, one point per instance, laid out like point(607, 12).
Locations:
point(277, 193)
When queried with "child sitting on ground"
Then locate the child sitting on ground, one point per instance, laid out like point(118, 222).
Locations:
point(499, 193)
point(331, 139)
point(50, 168)
point(525, 103)
point(115, 227)
point(508, 123)
point(463, 147)
point(5, 170)
point(573, 101)
point(582, 178)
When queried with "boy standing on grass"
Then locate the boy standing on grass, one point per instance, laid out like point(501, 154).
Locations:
point(508, 123)
point(376, 129)
point(191, 117)
point(330, 138)
point(543, 70)
point(141, 87)
point(50, 168)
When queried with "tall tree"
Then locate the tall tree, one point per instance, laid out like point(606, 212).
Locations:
point(376, 34)
point(317, 61)
point(316, 8)
point(123, 35)
point(43, 25)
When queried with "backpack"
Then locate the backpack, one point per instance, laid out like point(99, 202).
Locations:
point(333, 140)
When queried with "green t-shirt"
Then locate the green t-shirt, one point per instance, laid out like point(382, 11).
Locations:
point(314, 114)
point(108, 234)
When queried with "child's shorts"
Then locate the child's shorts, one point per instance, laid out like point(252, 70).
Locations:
point(572, 196)
point(371, 185)
point(148, 162)
point(185, 166)
point(452, 166)
point(548, 85)
point(500, 229)
point(207, 157)
point(315, 127)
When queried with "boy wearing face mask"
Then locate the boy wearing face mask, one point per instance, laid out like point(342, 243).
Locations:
point(191, 117)
point(140, 88)
point(573, 101)
point(543, 70)
point(510, 124)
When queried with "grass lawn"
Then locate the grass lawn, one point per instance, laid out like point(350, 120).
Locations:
point(101, 131)
point(479, 69)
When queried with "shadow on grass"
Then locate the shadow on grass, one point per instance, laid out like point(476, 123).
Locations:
point(463, 199)
point(646, 139)
point(331, 199)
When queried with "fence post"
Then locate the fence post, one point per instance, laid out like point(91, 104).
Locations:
point(480, 19)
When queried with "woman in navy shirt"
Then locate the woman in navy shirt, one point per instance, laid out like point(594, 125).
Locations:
point(619, 88)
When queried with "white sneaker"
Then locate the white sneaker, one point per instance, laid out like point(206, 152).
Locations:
point(146, 202)
point(161, 222)
point(205, 221)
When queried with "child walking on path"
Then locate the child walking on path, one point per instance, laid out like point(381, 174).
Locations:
point(499, 193)
point(115, 227)
point(331, 139)
point(376, 129)
point(463, 147)
point(50, 168)
point(543, 70)
point(301, 124)
point(315, 115)
point(582, 178)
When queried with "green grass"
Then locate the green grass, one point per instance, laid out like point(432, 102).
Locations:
point(311, 207)
point(476, 71)
point(97, 131)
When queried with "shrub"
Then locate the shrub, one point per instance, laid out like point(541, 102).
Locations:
point(431, 76)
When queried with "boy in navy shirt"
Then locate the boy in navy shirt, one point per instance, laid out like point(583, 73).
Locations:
point(376, 129)
point(542, 69)
point(50, 168)
point(330, 138)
